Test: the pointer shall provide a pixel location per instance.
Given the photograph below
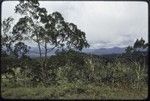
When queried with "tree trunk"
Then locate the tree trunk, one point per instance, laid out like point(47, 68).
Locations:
point(40, 53)
point(40, 50)
point(45, 51)
point(45, 62)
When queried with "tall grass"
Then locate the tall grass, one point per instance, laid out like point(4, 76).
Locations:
point(76, 75)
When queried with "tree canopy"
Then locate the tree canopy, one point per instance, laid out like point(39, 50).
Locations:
point(43, 28)
point(48, 31)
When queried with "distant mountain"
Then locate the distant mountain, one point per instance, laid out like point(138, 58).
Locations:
point(34, 52)
point(101, 51)
point(104, 51)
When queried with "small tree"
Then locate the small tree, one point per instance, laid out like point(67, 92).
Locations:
point(138, 46)
point(137, 57)
point(129, 50)
point(20, 49)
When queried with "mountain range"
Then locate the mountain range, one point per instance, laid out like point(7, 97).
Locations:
point(105, 51)
point(101, 51)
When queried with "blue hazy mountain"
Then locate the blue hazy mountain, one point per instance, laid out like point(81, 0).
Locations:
point(104, 51)
point(101, 51)
point(34, 52)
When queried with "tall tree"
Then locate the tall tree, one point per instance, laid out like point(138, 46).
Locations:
point(46, 30)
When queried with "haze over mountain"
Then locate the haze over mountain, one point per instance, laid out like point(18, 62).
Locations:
point(101, 51)
point(104, 51)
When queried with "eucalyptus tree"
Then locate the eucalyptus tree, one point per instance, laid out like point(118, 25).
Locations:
point(140, 44)
point(10, 49)
point(46, 29)
point(30, 26)
point(6, 45)
point(6, 37)
point(67, 35)
point(136, 53)
point(137, 47)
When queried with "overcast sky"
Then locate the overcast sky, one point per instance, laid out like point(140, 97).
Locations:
point(106, 24)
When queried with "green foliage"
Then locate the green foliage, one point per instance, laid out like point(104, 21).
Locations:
point(137, 47)
point(6, 37)
point(44, 29)
point(72, 91)
point(70, 73)
point(71, 66)
point(20, 49)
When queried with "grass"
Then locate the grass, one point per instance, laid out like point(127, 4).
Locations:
point(95, 79)
point(73, 91)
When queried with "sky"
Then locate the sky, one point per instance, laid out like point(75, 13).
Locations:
point(106, 23)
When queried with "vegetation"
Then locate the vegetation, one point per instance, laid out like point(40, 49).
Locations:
point(70, 74)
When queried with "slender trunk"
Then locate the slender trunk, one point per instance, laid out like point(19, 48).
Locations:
point(45, 62)
point(41, 62)
point(39, 46)
point(40, 53)
point(45, 58)
point(45, 51)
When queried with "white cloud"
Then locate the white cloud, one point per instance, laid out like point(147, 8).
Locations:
point(115, 23)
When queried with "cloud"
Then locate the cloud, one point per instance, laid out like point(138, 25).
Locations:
point(106, 24)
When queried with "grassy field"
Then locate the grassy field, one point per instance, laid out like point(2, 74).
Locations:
point(74, 91)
